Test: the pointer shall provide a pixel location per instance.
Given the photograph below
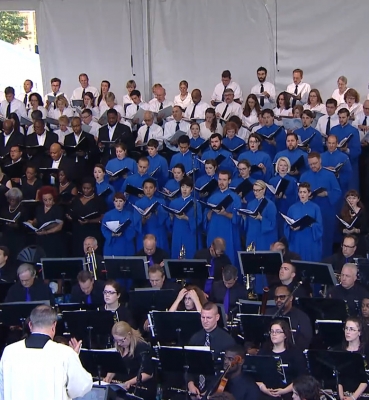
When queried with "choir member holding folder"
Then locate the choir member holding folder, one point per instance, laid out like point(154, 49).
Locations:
point(244, 183)
point(304, 227)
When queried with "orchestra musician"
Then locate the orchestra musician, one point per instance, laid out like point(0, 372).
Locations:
point(87, 290)
point(190, 298)
point(305, 387)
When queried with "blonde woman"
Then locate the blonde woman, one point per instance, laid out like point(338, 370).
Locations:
point(136, 354)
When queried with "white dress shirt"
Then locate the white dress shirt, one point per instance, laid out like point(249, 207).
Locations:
point(94, 128)
point(56, 163)
point(127, 99)
point(318, 108)
point(339, 97)
point(111, 130)
point(41, 139)
point(359, 119)
point(200, 109)
point(268, 87)
point(244, 134)
point(155, 132)
point(233, 109)
point(20, 97)
point(281, 112)
point(16, 106)
point(31, 130)
point(170, 130)
point(42, 109)
point(58, 93)
point(2, 96)
point(251, 119)
point(302, 88)
point(219, 89)
point(155, 104)
point(62, 135)
point(132, 109)
point(56, 113)
point(77, 93)
point(7, 137)
point(183, 103)
point(205, 133)
point(321, 125)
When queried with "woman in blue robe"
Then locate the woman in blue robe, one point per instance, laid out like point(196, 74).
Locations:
point(103, 188)
point(305, 242)
point(186, 226)
point(284, 200)
point(244, 169)
point(210, 173)
point(119, 163)
point(121, 243)
point(178, 173)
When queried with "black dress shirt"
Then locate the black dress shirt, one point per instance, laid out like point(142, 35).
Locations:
point(338, 260)
point(157, 257)
point(38, 291)
point(97, 296)
point(352, 296)
point(219, 262)
point(236, 292)
point(242, 387)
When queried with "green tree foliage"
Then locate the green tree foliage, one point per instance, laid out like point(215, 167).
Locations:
point(12, 27)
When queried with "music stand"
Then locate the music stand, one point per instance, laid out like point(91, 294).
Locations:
point(255, 328)
point(252, 306)
point(82, 324)
point(175, 327)
point(183, 270)
point(135, 268)
point(14, 314)
point(326, 365)
point(323, 308)
point(330, 332)
point(76, 307)
point(313, 272)
point(222, 321)
point(266, 369)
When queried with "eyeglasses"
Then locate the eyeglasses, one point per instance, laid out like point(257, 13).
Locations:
point(109, 292)
point(348, 247)
point(282, 297)
point(257, 190)
point(242, 169)
point(277, 332)
point(350, 329)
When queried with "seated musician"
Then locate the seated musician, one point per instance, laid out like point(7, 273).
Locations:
point(29, 287)
point(228, 291)
point(355, 342)
point(212, 336)
point(282, 246)
point(135, 352)
point(90, 246)
point(157, 279)
point(305, 387)
point(280, 344)
point(154, 254)
point(300, 322)
point(87, 290)
point(240, 385)
point(190, 298)
point(349, 289)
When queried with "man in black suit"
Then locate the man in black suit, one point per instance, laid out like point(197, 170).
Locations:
point(154, 254)
point(115, 132)
point(29, 288)
point(228, 291)
point(88, 291)
point(43, 138)
point(56, 161)
point(84, 154)
point(9, 138)
point(16, 168)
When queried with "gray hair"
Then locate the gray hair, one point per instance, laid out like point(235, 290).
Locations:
point(91, 238)
point(14, 193)
point(43, 317)
point(26, 267)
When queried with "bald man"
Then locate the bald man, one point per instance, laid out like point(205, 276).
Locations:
point(149, 130)
point(56, 161)
point(155, 255)
point(9, 138)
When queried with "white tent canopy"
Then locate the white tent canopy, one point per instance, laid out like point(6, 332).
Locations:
point(171, 40)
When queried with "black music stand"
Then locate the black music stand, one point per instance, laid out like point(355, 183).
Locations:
point(15, 314)
point(183, 270)
point(322, 308)
point(330, 333)
point(175, 327)
point(82, 324)
point(313, 272)
point(252, 306)
point(99, 392)
point(135, 268)
point(266, 369)
point(222, 321)
point(255, 328)
point(327, 365)
point(76, 307)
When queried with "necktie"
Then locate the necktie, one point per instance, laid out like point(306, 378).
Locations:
point(193, 111)
point(364, 122)
point(209, 282)
point(151, 261)
point(225, 87)
point(146, 138)
point(202, 381)
point(54, 94)
point(262, 97)
point(225, 110)
point(294, 101)
point(161, 106)
point(83, 93)
point(177, 127)
point(328, 127)
point(207, 339)
point(226, 301)
point(88, 299)
point(138, 107)
point(25, 99)
point(8, 111)
point(28, 295)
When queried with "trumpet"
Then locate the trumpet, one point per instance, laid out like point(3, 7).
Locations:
point(251, 295)
point(91, 262)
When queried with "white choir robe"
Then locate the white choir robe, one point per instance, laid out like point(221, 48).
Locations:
point(54, 372)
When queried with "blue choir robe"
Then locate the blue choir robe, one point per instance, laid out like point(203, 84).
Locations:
point(137, 181)
point(328, 204)
point(162, 174)
point(280, 140)
point(232, 144)
point(290, 197)
point(307, 242)
point(119, 245)
point(331, 160)
point(354, 150)
point(194, 143)
point(221, 226)
point(115, 165)
point(201, 181)
point(184, 232)
point(172, 185)
point(155, 225)
point(293, 156)
point(316, 143)
point(188, 160)
point(227, 164)
point(250, 195)
point(255, 158)
point(100, 187)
